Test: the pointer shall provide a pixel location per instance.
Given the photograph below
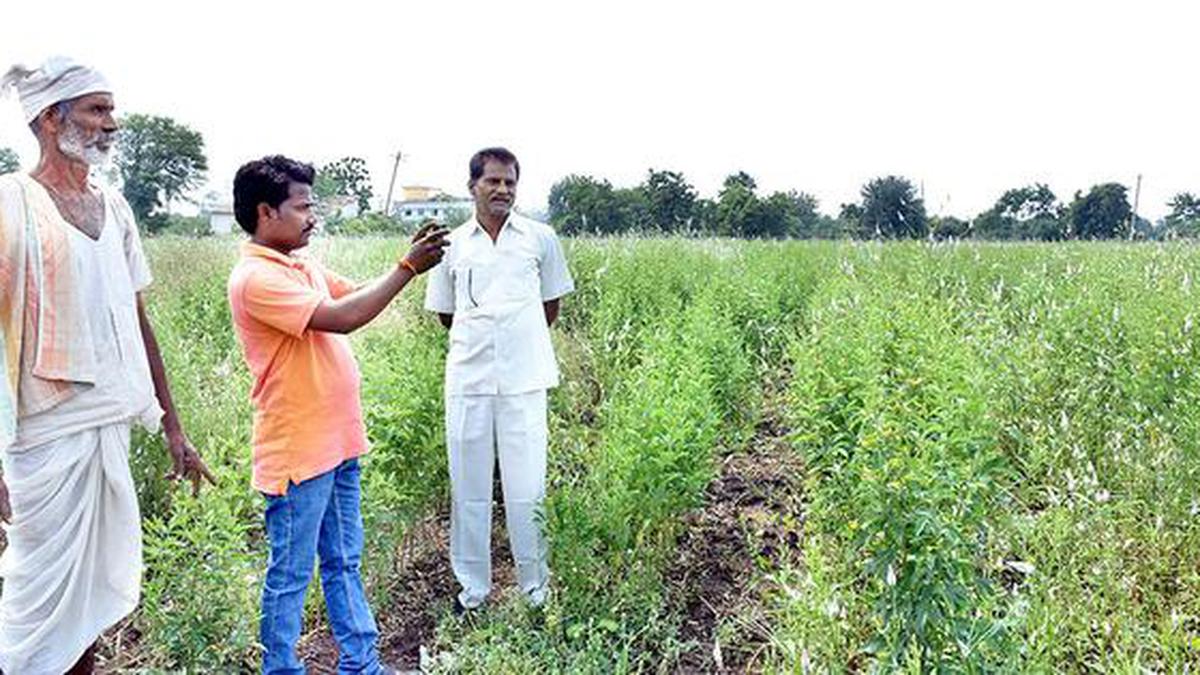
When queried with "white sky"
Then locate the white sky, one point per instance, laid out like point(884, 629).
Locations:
point(967, 98)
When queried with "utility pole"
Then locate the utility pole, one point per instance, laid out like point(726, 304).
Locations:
point(1137, 193)
point(387, 205)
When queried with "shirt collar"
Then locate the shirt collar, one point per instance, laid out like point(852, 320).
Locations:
point(253, 250)
point(513, 221)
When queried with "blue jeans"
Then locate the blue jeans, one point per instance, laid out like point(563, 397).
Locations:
point(320, 516)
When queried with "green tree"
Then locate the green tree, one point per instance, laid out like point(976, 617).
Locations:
point(741, 179)
point(633, 211)
point(1184, 218)
point(347, 178)
point(891, 209)
point(669, 200)
point(775, 217)
point(9, 161)
point(704, 216)
point(850, 219)
point(367, 224)
point(158, 160)
point(1027, 203)
point(584, 205)
point(737, 206)
point(948, 227)
point(1103, 213)
point(833, 228)
point(1030, 212)
point(804, 220)
point(1145, 230)
point(740, 213)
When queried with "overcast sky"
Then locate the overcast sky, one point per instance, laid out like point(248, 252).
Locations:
point(965, 98)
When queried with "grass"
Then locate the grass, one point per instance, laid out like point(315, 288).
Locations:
point(1002, 462)
point(1000, 444)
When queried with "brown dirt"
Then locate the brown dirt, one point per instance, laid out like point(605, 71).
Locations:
point(116, 651)
point(751, 521)
point(421, 593)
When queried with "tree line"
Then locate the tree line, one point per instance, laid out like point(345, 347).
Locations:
point(890, 207)
point(160, 160)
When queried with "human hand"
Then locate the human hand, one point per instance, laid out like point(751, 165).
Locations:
point(424, 229)
point(429, 245)
point(187, 464)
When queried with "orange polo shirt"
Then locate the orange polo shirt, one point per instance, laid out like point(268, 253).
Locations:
point(307, 409)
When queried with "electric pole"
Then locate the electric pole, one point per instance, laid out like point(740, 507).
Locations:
point(387, 205)
point(1137, 193)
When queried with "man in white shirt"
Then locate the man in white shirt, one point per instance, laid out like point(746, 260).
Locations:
point(81, 366)
point(498, 290)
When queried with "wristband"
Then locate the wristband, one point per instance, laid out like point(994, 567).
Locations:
point(409, 266)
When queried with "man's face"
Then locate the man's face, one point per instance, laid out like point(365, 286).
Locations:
point(289, 226)
point(496, 190)
point(89, 130)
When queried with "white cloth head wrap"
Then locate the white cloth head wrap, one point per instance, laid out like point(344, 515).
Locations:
point(58, 79)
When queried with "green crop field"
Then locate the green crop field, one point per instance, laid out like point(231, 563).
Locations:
point(996, 450)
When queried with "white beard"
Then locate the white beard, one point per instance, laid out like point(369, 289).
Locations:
point(73, 143)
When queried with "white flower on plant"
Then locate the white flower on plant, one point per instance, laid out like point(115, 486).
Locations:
point(1020, 566)
point(832, 608)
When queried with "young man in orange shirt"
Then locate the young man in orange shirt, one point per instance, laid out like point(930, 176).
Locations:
point(291, 316)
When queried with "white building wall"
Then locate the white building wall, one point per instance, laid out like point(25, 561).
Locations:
point(430, 209)
point(222, 223)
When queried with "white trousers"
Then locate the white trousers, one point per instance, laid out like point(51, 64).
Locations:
point(73, 566)
point(477, 429)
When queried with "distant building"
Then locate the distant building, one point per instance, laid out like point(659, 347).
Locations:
point(220, 218)
point(419, 193)
point(420, 202)
point(341, 207)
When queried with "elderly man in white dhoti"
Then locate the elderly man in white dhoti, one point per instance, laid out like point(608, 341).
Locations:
point(81, 365)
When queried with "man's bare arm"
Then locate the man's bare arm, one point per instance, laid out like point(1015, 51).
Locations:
point(357, 309)
point(186, 461)
point(551, 309)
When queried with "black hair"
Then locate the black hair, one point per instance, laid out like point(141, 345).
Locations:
point(266, 181)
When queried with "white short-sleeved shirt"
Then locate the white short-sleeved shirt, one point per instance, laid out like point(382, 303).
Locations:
point(111, 270)
point(499, 341)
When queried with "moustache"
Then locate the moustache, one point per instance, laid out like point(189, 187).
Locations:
point(103, 140)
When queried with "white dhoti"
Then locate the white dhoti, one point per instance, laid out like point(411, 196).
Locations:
point(477, 428)
point(73, 565)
